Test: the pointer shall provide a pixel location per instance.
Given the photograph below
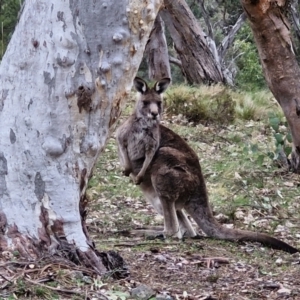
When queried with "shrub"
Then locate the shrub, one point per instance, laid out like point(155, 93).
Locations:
point(219, 104)
point(201, 104)
point(256, 105)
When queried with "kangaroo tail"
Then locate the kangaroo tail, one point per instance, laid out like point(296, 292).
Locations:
point(205, 220)
point(265, 240)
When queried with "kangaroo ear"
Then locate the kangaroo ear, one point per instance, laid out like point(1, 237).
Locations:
point(140, 85)
point(161, 85)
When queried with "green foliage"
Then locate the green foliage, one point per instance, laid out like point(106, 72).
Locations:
point(8, 18)
point(201, 104)
point(117, 295)
point(257, 105)
point(224, 106)
point(282, 137)
point(249, 75)
point(219, 105)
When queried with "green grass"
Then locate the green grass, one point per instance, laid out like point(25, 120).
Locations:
point(243, 182)
point(234, 158)
point(219, 105)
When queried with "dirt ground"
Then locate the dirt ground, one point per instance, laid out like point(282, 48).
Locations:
point(204, 268)
point(244, 193)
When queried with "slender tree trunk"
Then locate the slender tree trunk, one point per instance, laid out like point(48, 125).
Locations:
point(229, 38)
point(175, 61)
point(272, 36)
point(157, 52)
point(198, 62)
point(220, 52)
point(296, 17)
point(63, 78)
point(206, 19)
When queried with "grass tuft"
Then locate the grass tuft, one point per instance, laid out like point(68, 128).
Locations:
point(201, 104)
point(219, 105)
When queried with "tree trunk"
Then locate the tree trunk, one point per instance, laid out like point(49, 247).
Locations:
point(228, 40)
point(281, 70)
point(157, 52)
point(198, 62)
point(63, 78)
point(295, 17)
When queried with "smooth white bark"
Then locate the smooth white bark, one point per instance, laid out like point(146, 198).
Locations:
point(62, 53)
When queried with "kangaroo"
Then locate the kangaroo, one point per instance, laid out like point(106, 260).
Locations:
point(138, 138)
point(169, 173)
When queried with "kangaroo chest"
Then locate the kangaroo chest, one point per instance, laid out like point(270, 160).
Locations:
point(142, 140)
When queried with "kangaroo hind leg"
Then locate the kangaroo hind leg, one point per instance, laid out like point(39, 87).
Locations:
point(185, 225)
point(171, 223)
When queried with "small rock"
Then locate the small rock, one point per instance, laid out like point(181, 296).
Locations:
point(284, 292)
point(161, 258)
point(87, 279)
point(239, 215)
point(280, 228)
point(142, 292)
point(77, 275)
point(222, 218)
point(164, 296)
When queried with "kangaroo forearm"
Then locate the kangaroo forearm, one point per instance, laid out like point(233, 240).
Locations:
point(146, 164)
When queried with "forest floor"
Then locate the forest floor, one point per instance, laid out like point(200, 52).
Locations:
point(247, 190)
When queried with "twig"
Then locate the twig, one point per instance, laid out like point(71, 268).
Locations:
point(53, 288)
point(146, 244)
point(210, 261)
point(5, 278)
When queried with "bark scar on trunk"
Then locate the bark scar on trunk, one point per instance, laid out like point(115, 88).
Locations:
point(84, 98)
point(39, 186)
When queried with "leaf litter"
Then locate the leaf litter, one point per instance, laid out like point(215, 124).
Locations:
point(245, 192)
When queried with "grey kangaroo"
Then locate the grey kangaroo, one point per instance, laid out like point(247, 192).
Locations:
point(169, 174)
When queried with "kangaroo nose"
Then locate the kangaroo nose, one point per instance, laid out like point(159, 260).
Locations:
point(154, 114)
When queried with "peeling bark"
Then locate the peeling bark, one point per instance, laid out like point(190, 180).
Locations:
point(281, 70)
point(198, 62)
point(63, 78)
point(157, 52)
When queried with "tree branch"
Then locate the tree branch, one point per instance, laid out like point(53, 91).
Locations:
point(175, 61)
point(227, 41)
point(206, 19)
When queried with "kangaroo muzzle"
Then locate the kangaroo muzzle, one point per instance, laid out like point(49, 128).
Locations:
point(154, 113)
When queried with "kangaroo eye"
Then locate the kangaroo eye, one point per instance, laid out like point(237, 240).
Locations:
point(159, 104)
point(146, 103)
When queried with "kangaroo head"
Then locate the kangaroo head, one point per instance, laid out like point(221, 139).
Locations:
point(149, 105)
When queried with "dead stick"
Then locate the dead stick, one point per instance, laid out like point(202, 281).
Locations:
point(5, 278)
point(53, 288)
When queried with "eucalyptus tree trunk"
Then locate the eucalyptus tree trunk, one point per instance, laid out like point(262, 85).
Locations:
point(281, 70)
point(198, 62)
point(63, 78)
point(157, 52)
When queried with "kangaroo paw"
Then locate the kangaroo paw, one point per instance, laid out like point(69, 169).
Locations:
point(136, 179)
